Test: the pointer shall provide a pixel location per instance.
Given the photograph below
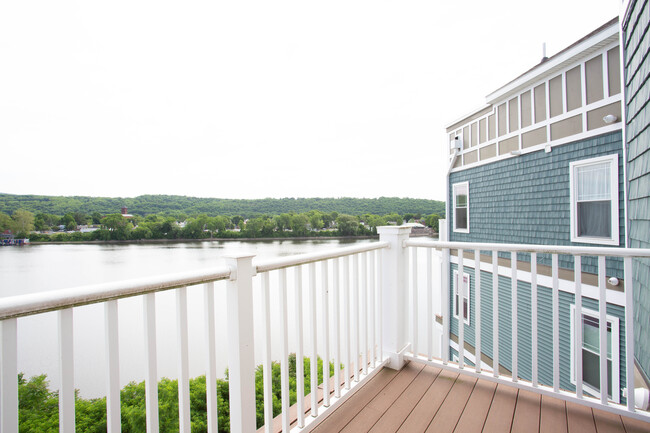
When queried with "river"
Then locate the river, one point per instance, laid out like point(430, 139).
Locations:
point(38, 268)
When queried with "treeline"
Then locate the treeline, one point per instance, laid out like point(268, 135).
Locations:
point(117, 227)
point(154, 204)
point(39, 406)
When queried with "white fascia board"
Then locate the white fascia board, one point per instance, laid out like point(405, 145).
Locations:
point(556, 62)
point(466, 116)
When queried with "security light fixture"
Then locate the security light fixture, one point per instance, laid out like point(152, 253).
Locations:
point(609, 119)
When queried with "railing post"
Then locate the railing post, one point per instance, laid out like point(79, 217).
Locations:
point(241, 356)
point(394, 293)
point(8, 375)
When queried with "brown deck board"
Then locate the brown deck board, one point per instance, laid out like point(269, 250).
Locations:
point(393, 418)
point(553, 415)
point(580, 419)
point(420, 398)
point(473, 418)
point(527, 412)
point(450, 411)
point(499, 418)
point(607, 422)
point(346, 412)
point(420, 417)
point(369, 415)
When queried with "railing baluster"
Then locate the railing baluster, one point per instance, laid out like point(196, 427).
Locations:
point(371, 302)
point(414, 302)
point(355, 315)
point(364, 311)
point(151, 362)
point(430, 319)
point(300, 369)
point(326, 335)
point(495, 313)
point(9, 375)
point(284, 346)
point(477, 297)
point(533, 304)
point(183, 361)
point(113, 419)
point(336, 327)
point(266, 360)
point(211, 358)
point(556, 323)
point(66, 372)
point(602, 326)
point(380, 306)
point(346, 320)
point(461, 310)
point(577, 276)
point(445, 307)
point(629, 331)
point(314, 346)
point(515, 336)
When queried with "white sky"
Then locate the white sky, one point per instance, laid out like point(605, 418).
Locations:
point(254, 99)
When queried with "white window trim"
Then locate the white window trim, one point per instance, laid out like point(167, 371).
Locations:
point(455, 186)
point(616, 357)
point(467, 295)
point(614, 239)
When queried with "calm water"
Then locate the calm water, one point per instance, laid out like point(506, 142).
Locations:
point(40, 268)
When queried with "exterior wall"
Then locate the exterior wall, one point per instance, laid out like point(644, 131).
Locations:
point(636, 40)
point(554, 105)
point(524, 327)
point(526, 199)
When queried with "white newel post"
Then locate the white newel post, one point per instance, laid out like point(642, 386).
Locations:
point(443, 236)
point(241, 356)
point(394, 293)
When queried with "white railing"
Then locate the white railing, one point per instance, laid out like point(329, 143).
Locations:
point(454, 254)
point(354, 302)
point(348, 303)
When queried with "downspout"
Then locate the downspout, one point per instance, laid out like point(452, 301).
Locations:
point(621, 42)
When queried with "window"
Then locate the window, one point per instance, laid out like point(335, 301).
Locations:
point(465, 303)
point(461, 207)
point(591, 353)
point(594, 200)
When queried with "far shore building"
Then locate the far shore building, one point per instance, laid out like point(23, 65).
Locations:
point(544, 163)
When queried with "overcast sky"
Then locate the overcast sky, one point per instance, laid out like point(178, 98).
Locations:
point(254, 99)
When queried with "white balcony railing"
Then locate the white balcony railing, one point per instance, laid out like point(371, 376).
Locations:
point(362, 308)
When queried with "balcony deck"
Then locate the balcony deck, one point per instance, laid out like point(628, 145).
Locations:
point(422, 398)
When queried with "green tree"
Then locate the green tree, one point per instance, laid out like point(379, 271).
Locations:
point(6, 223)
point(432, 221)
point(299, 224)
point(23, 221)
point(348, 225)
point(119, 226)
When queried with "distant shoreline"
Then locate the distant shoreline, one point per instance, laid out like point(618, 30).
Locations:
point(168, 241)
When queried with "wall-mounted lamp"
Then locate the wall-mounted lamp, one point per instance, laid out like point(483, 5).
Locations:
point(515, 152)
point(609, 119)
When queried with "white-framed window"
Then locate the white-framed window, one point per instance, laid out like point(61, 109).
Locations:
point(594, 200)
point(591, 353)
point(464, 306)
point(461, 207)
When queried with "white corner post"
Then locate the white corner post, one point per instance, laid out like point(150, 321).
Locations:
point(443, 236)
point(395, 294)
point(241, 354)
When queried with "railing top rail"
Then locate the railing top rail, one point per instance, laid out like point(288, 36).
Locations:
point(548, 249)
point(302, 259)
point(41, 302)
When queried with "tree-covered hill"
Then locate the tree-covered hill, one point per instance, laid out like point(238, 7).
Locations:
point(153, 204)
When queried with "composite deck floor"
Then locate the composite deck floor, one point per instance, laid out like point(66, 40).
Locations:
point(422, 398)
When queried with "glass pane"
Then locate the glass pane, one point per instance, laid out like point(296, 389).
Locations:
point(593, 182)
point(590, 337)
point(465, 309)
point(461, 200)
point(461, 218)
point(591, 369)
point(595, 219)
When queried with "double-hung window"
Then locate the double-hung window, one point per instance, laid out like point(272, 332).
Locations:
point(464, 305)
point(594, 200)
point(591, 353)
point(461, 207)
